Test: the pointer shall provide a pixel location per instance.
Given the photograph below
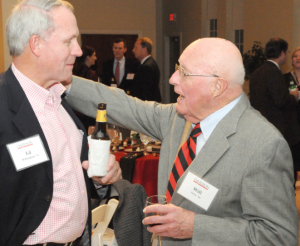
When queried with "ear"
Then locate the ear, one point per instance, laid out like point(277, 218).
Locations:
point(35, 45)
point(125, 50)
point(219, 86)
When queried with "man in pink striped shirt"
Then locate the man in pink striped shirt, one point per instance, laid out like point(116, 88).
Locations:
point(44, 191)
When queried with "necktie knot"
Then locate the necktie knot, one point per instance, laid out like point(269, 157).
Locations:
point(196, 131)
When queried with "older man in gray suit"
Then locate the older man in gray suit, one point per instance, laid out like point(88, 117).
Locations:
point(238, 190)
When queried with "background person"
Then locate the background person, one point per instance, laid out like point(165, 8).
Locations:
point(271, 97)
point(237, 151)
point(146, 80)
point(82, 66)
point(127, 68)
point(120, 71)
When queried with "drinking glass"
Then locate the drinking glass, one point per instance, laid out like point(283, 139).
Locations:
point(145, 139)
point(113, 133)
point(152, 200)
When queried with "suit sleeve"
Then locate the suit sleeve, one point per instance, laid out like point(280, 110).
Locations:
point(148, 118)
point(106, 74)
point(146, 83)
point(267, 212)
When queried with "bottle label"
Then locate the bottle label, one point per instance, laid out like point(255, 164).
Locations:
point(101, 116)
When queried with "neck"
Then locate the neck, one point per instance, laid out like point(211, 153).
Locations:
point(118, 59)
point(297, 71)
point(88, 64)
point(277, 60)
point(30, 69)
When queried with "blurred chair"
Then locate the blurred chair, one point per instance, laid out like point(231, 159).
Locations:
point(127, 220)
point(101, 216)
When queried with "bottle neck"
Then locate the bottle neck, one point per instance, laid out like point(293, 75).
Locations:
point(101, 116)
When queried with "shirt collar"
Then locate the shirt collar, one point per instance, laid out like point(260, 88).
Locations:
point(120, 61)
point(142, 62)
point(38, 95)
point(210, 122)
point(274, 63)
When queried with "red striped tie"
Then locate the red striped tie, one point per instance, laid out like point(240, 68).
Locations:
point(183, 159)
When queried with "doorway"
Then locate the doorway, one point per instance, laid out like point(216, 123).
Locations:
point(102, 43)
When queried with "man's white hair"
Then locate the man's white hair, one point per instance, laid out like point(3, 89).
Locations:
point(31, 17)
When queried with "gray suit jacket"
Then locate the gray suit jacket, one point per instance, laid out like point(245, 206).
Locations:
point(246, 158)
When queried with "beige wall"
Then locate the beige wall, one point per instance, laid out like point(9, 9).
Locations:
point(268, 19)
point(1, 40)
point(188, 20)
point(106, 16)
point(222, 19)
point(118, 16)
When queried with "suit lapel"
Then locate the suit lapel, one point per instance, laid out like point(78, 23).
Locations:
point(25, 119)
point(215, 147)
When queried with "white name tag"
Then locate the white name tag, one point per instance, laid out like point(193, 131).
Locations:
point(27, 152)
point(130, 76)
point(197, 191)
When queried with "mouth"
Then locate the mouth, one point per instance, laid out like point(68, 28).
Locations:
point(181, 97)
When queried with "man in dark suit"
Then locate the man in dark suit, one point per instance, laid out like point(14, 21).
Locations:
point(119, 75)
point(146, 80)
point(269, 95)
point(45, 191)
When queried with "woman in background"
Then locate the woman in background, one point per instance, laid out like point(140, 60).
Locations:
point(82, 66)
point(293, 77)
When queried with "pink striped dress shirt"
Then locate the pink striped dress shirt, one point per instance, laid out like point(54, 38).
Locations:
point(68, 211)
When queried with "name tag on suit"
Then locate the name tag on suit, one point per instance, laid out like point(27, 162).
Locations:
point(197, 191)
point(130, 76)
point(27, 152)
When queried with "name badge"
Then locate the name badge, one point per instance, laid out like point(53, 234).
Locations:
point(27, 152)
point(130, 76)
point(197, 191)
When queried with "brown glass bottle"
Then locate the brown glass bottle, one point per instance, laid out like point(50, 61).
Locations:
point(101, 121)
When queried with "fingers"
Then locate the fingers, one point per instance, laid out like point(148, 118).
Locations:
point(85, 165)
point(159, 209)
point(174, 221)
point(113, 171)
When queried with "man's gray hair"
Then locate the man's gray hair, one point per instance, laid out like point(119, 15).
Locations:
point(31, 17)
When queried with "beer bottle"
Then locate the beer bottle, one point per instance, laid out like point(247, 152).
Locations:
point(100, 127)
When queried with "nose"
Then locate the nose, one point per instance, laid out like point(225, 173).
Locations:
point(77, 50)
point(174, 78)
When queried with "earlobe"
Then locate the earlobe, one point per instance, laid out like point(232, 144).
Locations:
point(220, 86)
point(34, 43)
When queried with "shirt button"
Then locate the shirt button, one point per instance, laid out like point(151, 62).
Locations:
point(48, 198)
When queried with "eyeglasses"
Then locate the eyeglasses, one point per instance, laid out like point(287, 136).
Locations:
point(183, 73)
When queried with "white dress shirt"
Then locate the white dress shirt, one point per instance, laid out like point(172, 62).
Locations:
point(122, 68)
point(210, 122)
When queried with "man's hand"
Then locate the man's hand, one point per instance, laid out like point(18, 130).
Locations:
point(113, 171)
point(295, 93)
point(175, 221)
